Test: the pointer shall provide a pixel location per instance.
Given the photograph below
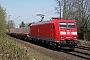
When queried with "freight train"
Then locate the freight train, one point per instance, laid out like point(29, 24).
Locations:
point(56, 32)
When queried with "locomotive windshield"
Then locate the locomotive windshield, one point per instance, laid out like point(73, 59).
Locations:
point(71, 25)
point(63, 25)
point(67, 25)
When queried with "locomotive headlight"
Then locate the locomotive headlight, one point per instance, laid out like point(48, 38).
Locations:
point(75, 37)
point(62, 37)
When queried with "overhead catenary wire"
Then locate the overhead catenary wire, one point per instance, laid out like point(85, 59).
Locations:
point(34, 16)
point(45, 7)
point(35, 12)
point(48, 12)
point(39, 10)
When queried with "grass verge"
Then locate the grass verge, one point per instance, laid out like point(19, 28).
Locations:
point(10, 49)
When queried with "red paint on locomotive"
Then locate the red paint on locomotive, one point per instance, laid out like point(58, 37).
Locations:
point(55, 30)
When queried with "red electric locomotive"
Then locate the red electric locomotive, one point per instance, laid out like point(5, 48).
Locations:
point(56, 32)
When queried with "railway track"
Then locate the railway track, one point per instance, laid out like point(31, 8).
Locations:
point(84, 47)
point(83, 54)
point(78, 53)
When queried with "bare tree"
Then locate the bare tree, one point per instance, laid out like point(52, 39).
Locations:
point(62, 8)
point(82, 15)
point(11, 24)
point(78, 10)
point(59, 8)
point(22, 24)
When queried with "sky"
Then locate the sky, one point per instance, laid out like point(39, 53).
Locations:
point(27, 10)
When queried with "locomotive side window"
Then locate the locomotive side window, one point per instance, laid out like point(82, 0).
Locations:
point(53, 25)
point(71, 25)
point(63, 25)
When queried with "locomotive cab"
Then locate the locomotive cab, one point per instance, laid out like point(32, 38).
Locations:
point(68, 33)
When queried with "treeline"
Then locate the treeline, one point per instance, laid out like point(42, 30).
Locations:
point(25, 24)
point(2, 20)
point(9, 49)
point(78, 10)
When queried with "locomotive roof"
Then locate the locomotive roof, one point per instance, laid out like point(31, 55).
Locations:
point(42, 22)
point(51, 21)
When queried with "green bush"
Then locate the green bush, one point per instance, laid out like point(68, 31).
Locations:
point(2, 21)
point(88, 35)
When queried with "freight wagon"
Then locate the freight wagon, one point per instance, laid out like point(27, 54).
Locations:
point(22, 33)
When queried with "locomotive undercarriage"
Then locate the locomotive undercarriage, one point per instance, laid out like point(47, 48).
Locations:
point(68, 44)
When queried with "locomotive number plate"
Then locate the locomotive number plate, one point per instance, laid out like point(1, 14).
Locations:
point(68, 32)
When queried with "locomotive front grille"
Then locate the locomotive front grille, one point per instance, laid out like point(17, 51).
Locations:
point(68, 43)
